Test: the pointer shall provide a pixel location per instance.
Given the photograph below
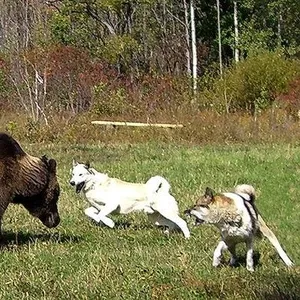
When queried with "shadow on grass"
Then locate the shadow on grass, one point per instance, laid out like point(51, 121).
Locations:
point(124, 225)
point(241, 260)
point(13, 239)
point(266, 286)
point(283, 286)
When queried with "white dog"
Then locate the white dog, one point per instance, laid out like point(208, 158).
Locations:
point(238, 220)
point(111, 195)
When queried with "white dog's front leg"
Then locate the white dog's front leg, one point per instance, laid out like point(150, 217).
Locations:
point(249, 258)
point(102, 215)
point(96, 205)
point(91, 212)
point(218, 253)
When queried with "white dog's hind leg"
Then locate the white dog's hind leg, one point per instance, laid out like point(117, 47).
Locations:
point(249, 258)
point(159, 220)
point(102, 215)
point(218, 253)
point(153, 217)
point(178, 221)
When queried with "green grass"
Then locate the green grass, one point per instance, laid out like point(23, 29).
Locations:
point(135, 260)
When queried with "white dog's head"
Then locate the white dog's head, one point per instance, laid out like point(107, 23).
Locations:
point(80, 174)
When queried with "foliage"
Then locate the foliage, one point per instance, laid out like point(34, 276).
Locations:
point(290, 99)
point(5, 88)
point(120, 49)
point(119, 58)
point(252, 85)
point(114, 104)
point(62, 70)
point(143, 98)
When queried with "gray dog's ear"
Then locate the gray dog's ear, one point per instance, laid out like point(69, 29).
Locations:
point(74, 163)
point(209, 194)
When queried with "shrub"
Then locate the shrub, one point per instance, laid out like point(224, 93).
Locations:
point(4, 86)
point(252, 84)
point(142, 98)
point(290, 100)
point(113, 104)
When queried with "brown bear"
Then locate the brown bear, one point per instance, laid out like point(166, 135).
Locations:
point(28, 180)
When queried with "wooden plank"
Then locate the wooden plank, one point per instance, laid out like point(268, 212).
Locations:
point(137, 124)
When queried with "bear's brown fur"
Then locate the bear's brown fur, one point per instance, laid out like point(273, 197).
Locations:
point(28, 180)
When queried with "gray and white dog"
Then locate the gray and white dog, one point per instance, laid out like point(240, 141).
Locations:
point(238, 220)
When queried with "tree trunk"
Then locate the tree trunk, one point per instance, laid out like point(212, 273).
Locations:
point(187, 38)
point(236, 32)
point(219, 39)
point(279, 28)
point(194, 48)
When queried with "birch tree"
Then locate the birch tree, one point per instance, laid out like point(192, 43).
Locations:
point(194, 48)
point(219, 38)
point(236, 31)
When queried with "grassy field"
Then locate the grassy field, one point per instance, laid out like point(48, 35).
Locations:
point(135, 260)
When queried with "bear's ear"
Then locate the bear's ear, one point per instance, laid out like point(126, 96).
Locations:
point(52, 166)
point(44, 159)
point(74, 163)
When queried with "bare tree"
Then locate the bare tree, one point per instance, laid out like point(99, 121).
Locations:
point(19, 20)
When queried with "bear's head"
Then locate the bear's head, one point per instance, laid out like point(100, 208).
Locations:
point(43, 204)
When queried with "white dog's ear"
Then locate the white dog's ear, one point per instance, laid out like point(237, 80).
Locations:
point(74, 163)
point(87, 164)
point(92, 171)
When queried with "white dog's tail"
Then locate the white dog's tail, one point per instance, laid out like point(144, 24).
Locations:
point(158, 184)
point(165, 204)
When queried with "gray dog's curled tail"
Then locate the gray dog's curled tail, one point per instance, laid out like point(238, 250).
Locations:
point(263, 228)
point(246, 189)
